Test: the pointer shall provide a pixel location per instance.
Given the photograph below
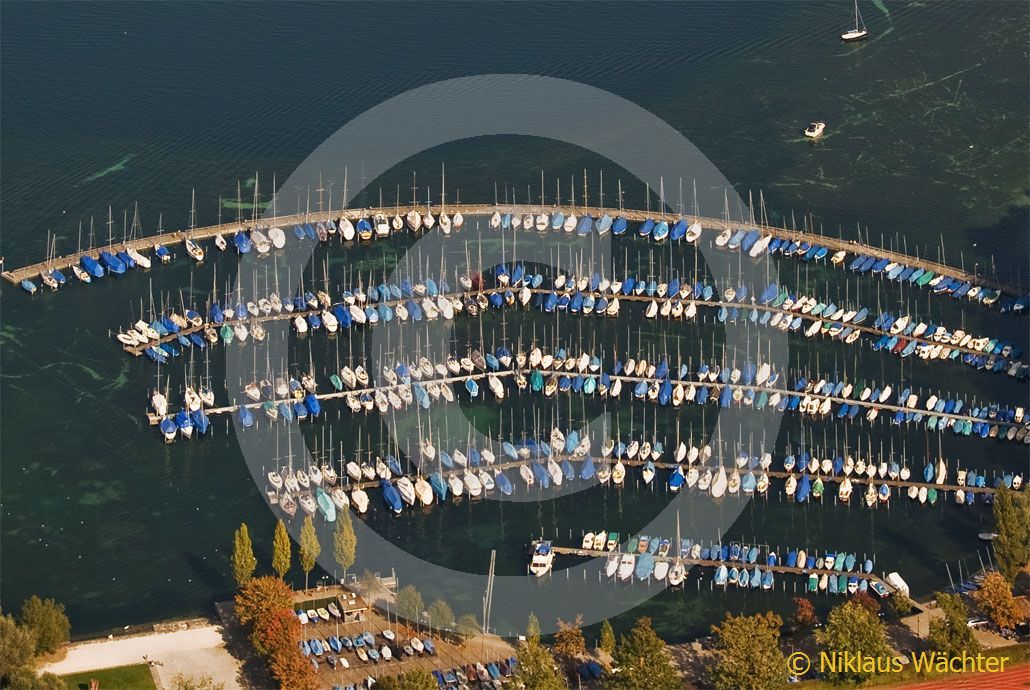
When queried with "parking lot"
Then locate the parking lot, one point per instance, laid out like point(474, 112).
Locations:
point(483, 648)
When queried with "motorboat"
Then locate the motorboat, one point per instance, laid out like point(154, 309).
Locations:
point(542, 560)
point(815, 129)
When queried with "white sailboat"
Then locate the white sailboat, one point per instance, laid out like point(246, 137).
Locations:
point(858, 32)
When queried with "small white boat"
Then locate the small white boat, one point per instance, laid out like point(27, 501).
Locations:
point(140, 259)
point(618, 473)
point(472, 484)
point(815, 129)
point(424, 491)
point(661, 569)
point(359, 499)
point(414, 219)
point(194, 250)
point(612, 564)
point(339, 498)
point(626, 564)
point(159, 403)
point(407, 490)
point(261, 241)
point(275, 479)
point(277, 237)
point(693, 232)
point(457, 488)
point(858, 32)
point(346, 229)
point(81, 274)
point(382, 226)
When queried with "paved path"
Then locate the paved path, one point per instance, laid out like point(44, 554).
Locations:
point(193, 652)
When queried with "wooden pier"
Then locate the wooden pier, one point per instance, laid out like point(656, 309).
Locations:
point(833, 244)
point(808, 319)
point(691, 562)
point(858, 480)
point(716, 388)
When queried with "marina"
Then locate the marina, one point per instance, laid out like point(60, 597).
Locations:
point(902, 336)
point(412, 481)
point(811, 396)
point(754, 239)
point(346, 484)
point(756, 575)
point(538, 347)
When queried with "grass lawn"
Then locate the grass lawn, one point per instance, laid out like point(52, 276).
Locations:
point(132, 677)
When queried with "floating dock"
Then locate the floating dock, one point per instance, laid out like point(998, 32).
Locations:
point(154, 419)
point(808, 319)
point(691, 562)
point(834, 244)
point(860, 480)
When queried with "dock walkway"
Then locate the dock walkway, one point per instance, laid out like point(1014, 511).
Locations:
point(774, 474)
point(716, 387)
point(691, 562)
point(833, 244)
point(807, 319)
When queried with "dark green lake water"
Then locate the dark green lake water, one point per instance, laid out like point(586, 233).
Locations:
point(114, 104)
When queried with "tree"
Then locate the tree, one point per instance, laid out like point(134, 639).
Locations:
point(748, 652)
point(47, 621)
point(17, 646)
point(804, 613)
point(441, 616)
point(345, 542)
point(532, 628)
point(369, 583)
point(851, 629)
point(277, 630)
point(995, 599)
point(281, 550)
point(607, 637)
point(951, 635)
point(468, 626)
point(293, 672)
point(901, 605)
point(25, 678)
point(536, 668)
point(866, 601)
point(415, 679)
point(643, 661)
point(243, 561)
point(260, 597)
point(309, 548)
point(183, 682)
point(409, 604)
point(1012, 523)
point(568, 641)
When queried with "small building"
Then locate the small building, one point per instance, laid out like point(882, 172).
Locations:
point(352, 606)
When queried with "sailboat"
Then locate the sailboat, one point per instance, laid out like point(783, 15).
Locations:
point(858, 32)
